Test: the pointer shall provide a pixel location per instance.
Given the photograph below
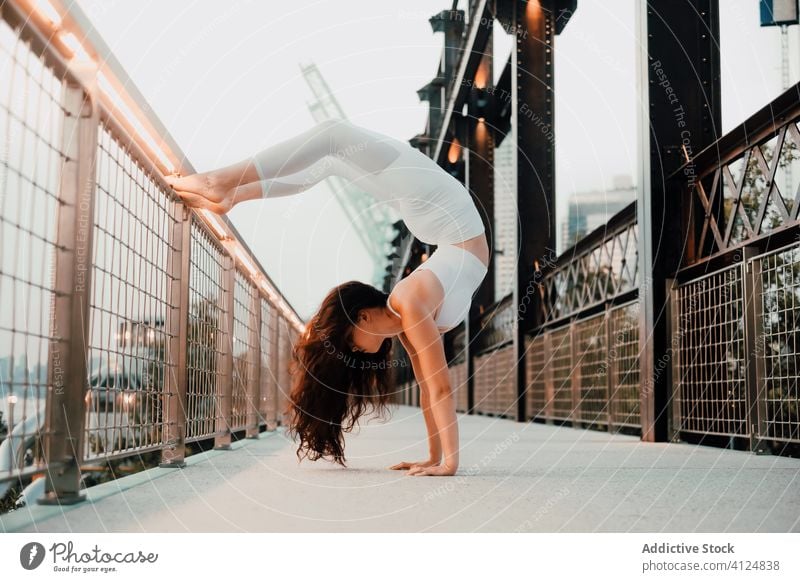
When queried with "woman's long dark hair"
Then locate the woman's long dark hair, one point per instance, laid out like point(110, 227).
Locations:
point(333, 386)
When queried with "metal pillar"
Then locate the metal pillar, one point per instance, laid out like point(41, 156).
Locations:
point(532, 116)
point(575, 357)
point(225, 399)
point(273, 415)
point(254, 386)
point(678, 77)
point(280, 374)
point(178, 328)
point(67, 353)
point(479, 177)
point(611, 368)
point(753, 289)
point(480, 182)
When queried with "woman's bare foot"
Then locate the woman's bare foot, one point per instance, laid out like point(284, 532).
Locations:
point(202, 185)
point(196, 201)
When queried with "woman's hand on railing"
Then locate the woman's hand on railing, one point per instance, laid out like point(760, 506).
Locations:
point(410, 464)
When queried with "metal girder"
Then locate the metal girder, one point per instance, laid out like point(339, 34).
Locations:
point(682, 117)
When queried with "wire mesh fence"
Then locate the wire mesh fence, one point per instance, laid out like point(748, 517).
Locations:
point(129, 324)
point(206, 337)
point(737, 335)
point(127, 360)
point(778, 347)
point(710, 395)
point(30, 137)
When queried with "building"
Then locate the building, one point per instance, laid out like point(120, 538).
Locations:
point(588, 210)
point(505, 218)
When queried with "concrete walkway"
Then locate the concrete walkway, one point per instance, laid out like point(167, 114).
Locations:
point(513, 477)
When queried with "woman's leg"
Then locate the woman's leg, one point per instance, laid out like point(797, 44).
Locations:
point(285, 186)
point(362, 149)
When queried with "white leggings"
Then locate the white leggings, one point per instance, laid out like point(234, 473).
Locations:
point(331, 147)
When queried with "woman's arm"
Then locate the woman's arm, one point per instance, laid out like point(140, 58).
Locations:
point(424, 337)
point(434, 443)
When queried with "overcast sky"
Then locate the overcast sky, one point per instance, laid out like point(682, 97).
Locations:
point(224, 78)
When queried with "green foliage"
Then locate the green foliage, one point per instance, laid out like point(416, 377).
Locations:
point(9, 501)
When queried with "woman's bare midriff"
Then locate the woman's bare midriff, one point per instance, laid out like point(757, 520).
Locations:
point(478, 246)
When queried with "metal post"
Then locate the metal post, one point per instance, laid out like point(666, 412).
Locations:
point(272, 388)
point(479, 176)
point(480, 183)
point(254, 389)
point(675, 379)
point(755, 352)
point(470, 366)
point(549, 390)
point(611, 377)
point(681, 117)
point(67, 353)
point(532, 90)
point(280, 372)
point(172, 455)
point(574, 357)
point(222, 441)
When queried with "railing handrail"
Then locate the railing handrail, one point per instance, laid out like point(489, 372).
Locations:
point(759, 127)
point(594, 238)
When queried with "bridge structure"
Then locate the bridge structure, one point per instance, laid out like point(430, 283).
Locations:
point(675, 320)
point(138, 326)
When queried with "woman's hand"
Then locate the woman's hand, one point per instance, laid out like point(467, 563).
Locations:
point(436, 471)
point(410, 464)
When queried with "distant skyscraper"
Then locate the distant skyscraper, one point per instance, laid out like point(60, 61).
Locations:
point(588, 210)
point(505, 217)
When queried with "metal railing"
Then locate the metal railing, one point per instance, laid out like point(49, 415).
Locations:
point(736, 333)
point(581, 364)
point(743, 188)
point(130, 322)
point(734, 308)
point(600, 268)
point(494, 383)
point(458, 364)
point(736, 300)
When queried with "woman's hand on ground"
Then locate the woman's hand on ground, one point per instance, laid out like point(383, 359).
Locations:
point(435, 471)
point(410, 464)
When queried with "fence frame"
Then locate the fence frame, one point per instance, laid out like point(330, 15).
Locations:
point(178, 328)
point(222, 440)
point(254, 380)
point(64, 433)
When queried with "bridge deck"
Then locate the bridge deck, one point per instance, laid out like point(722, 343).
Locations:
point(513, 477)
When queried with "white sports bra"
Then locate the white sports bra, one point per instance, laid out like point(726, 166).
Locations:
point(436, 318)
point(460, 273)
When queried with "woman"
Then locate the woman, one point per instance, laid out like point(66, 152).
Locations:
point(342, 359)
